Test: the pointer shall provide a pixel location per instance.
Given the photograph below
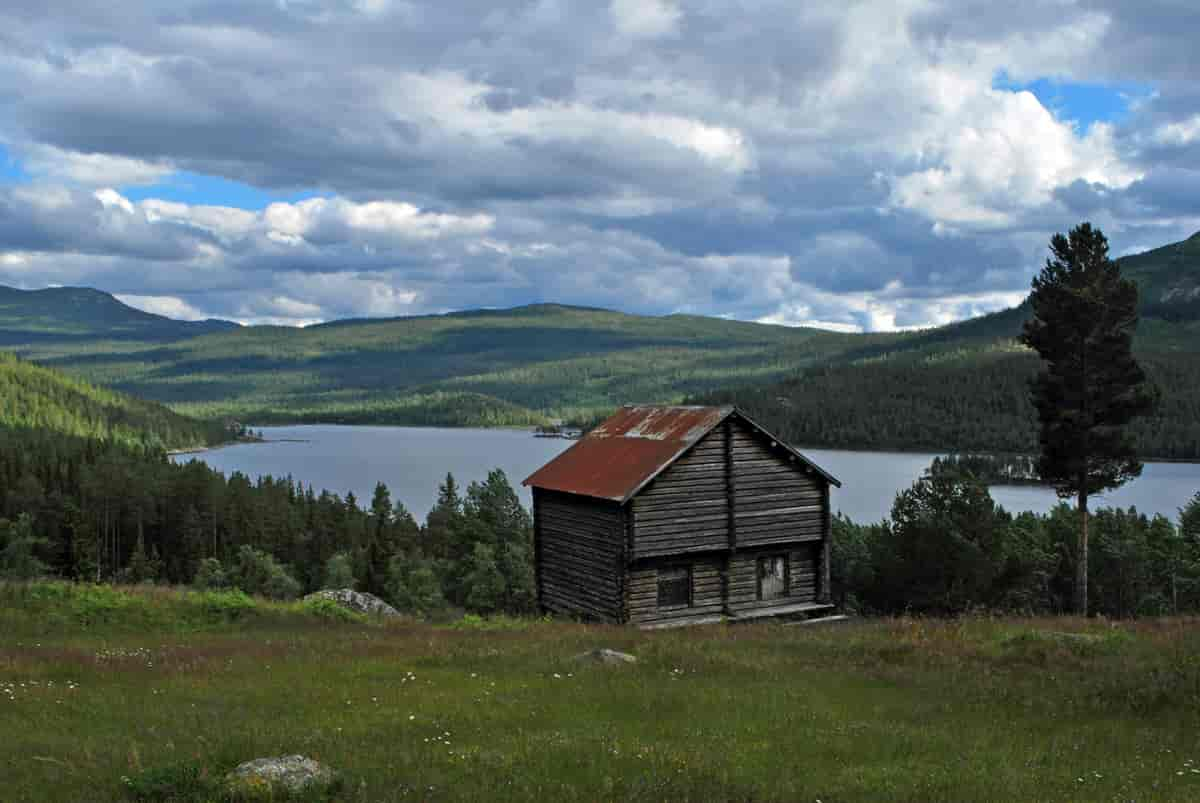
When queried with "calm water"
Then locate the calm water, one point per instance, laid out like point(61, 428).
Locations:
point(414, 461)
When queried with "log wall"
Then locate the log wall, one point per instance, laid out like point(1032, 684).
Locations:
point(707, 591)
point(803, 577)
point(580, 550)
point(776, 501)
point(686, 508)
point(732, 498)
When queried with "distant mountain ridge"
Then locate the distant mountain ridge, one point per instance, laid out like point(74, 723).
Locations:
point(960, 386)
point(64, 313)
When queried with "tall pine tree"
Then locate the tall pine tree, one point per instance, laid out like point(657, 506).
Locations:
point(1090, 386)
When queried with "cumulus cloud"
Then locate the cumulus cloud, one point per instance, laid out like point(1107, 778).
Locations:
point(170, 306)
point(840, 165)
point(645, 18)
point(95, 169)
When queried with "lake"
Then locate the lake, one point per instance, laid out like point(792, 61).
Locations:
point(413, 462)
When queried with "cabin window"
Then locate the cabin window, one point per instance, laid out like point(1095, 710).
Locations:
point(675, 587)
point(772, 577)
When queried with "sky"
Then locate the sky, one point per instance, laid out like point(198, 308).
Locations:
point(859, 166)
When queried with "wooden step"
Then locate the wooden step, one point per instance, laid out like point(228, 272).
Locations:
point(822, 620)
point(783, 610)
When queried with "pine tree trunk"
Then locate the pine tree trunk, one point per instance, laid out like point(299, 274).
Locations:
point(1081, 565)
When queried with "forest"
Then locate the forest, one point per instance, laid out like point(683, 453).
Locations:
point(94, 511)
point(38, 398)
point(99, 511)
point(973, 399)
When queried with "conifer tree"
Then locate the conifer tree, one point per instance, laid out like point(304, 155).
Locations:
point(1090, 387)
point(1189, 520)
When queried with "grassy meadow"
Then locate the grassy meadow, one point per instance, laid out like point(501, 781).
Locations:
point(127, 694)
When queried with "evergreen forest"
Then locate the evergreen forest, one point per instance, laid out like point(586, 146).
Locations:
point(90, 510)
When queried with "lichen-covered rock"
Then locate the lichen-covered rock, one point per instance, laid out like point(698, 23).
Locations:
point(291, 773)
point(607, 657)
point(359, 601)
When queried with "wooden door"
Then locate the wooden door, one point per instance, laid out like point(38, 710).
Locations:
point(772, 577)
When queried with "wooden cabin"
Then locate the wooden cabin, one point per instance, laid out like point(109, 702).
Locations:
point(681, 515)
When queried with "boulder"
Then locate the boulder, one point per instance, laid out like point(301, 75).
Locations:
point(359, 601)
point(290, 773)
point(606, 657)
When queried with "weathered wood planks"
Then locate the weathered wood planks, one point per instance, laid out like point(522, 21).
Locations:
point(579, 544)
point(730, 499)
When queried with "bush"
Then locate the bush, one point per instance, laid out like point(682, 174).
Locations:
point(211, 575)
point(414, 588)
point(339, 572)
point(280, 585)
point(330, 610)
point(256, 572)
point(226, 605)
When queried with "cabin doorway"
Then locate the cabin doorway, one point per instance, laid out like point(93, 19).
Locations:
point(772, 577)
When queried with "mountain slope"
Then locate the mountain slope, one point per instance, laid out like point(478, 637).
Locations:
point(34, 397)
point(65, 314)
point(965, 386)
point(518, 366)
point(960, 386)
point(1169, 280)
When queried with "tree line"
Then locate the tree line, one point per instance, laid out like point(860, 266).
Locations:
point(96, 511)
point(948, 548)
point(103, 511)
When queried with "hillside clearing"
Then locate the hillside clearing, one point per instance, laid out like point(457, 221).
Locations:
point(97, 684)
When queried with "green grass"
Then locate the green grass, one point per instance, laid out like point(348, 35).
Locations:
point(902, 710)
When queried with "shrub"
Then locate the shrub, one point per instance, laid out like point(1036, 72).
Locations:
point(339, 572)
point(226, 605)
point(210, 575)
point(256, 572)
point(414, 588)
point(328, 609)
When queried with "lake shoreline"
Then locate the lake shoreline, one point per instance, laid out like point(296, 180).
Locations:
point(414, 461)
point(936, 451)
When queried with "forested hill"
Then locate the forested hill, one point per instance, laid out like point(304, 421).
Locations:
point(958, 387)
point(487, 367)
point(964, 386)
point(78, 314)
point(36, 398)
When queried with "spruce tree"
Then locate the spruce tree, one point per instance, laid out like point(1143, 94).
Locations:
point(1189, 520)
point(1090, 386)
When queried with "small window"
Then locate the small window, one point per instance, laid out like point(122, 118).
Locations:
point(675, 587)
point(772, 577)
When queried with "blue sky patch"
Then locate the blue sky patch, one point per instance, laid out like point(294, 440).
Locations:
point(11, 171)
point(198, 189)
point(1084, 103)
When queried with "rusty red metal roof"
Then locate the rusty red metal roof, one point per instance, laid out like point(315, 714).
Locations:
point(633, 446)
point(627, 450)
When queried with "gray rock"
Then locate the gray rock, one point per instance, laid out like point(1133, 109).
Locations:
point(356, 601)
point(293, 773)
point(607, 657)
